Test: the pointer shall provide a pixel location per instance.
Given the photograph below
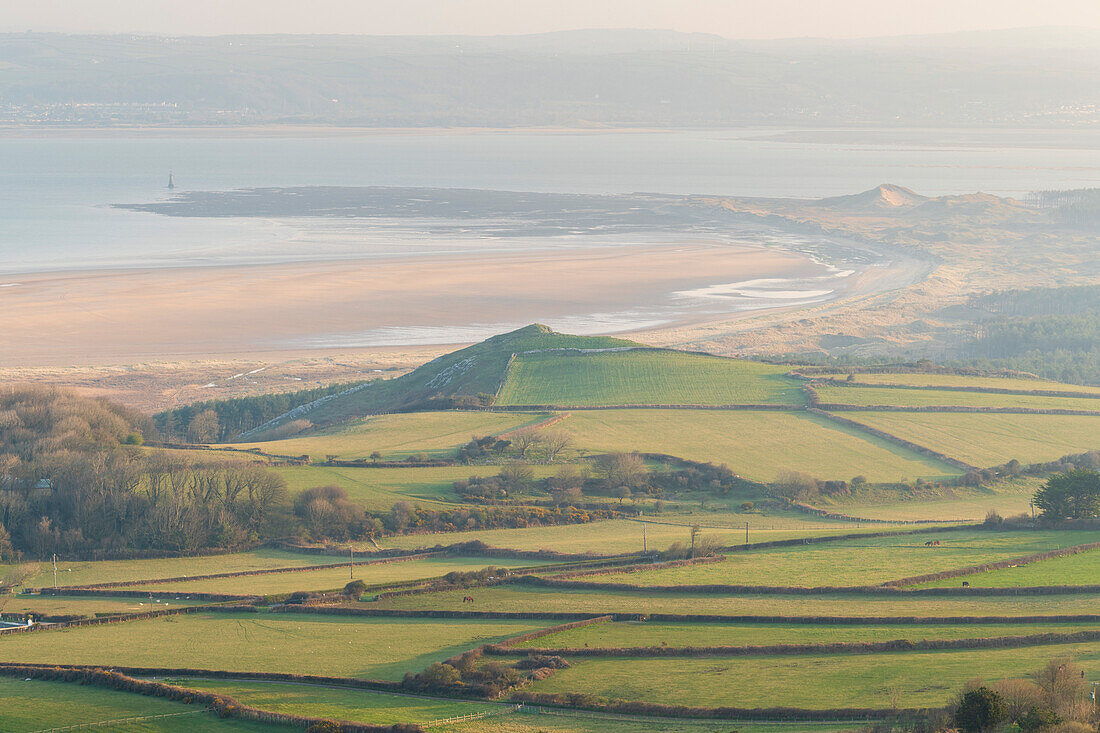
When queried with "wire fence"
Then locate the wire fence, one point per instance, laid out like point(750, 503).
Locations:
point(118, 721)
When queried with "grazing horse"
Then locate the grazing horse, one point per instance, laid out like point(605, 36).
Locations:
point(932, 543)
point(966, 584)
point(467, 599)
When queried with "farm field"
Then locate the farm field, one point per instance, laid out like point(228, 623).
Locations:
point(989, 439)
point(624, 634)
point(298, 643)
point(1008, 498)
point(378, 489)
point(619, 536)
point(85, 605)
point(381, 708)
point(398, 436)
point(855, 562)
point(909, 679)
point(644, 377)
point(1080, 569)
point(756, 445)
point(335, 578)
point(924, 397)
point(955, 380)
point(70, 572)
point(38, 705)
point(596, 602)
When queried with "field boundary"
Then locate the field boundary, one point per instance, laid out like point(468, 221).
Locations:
point(531, 635)
point(999, 565)
point(822, 411)
point(957, 388)
point(841, 647)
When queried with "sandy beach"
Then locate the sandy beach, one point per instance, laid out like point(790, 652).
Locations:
point(186, 313)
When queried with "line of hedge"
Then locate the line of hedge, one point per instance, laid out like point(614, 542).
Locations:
point(243, 573)
point(840, 647)
point(826, 514)
point(111, 619)
point(640, 567)
point(958, 388)
point(849, 536)
point(842, 406)
point(584, 701)
point(822, 411)
point(864, 590)
point(689, 617)
point(124, 593)
point(551, 630)
point(223, 705)
point(473, 548)
point(999, 565)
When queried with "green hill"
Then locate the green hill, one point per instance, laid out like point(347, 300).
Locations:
point(644, 377)
point(465, 378)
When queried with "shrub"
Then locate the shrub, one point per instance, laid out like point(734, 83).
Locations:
point(980, 710)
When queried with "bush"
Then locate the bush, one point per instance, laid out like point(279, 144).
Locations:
point(355, 588)
point(980, 710)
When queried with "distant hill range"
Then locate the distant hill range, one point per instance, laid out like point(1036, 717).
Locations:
point(581, 78)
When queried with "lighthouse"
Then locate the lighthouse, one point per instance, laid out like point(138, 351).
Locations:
point(171, 185)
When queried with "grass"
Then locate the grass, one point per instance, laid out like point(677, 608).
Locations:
point(617, 536)
point(34, 705)
point(955, 380)
point(645, 377)
point(396, 437)
point(909, 679)
point(384, 709)
point(924, 397)
point(76, 572)
point(297, 643)
point(757, 445)
point(596, 602)
point(991, 440)
point(80, 605)
point(857, 562)
point(335, 578)
point(1007, 497)
point(1081, 569)
point(378, 489)
point(637, 634)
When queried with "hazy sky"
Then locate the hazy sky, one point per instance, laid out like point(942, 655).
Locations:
point(731, 18)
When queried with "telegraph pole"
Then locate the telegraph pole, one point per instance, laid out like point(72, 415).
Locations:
point(644, 549)
point(55, 570)
point(746, 533)
point(351, 562)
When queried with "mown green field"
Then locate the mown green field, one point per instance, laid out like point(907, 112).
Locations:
point(644, 377)
point(757, 445)
point(378, 489)
point(335, 578)
point(1080, 569)
point(954, 380)
point(924, 397)
point(398, 436)
point(618, 536)
point(35, 705)
point(624, 634)
point(989, 439)
point(857, 562)
point(908, 679)
point(1009, 497)
point(596, 602)
point(85, 605)
point(383, 709)
point(77, 572)
point(298, 643)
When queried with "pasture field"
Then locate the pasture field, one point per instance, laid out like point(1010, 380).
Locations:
point(397, 436)
point(757, 445)
point(596, 602)
point(925, 397)
point(957, 380)
point(378, 489)
point(990, 439)
point(856, 562)
point(623, 634)
point(298, 643)
point(644, 377)
point(1080, 569)
point(1008, 498)
point(908, 679)
point(336, 578)
point(85, 605)
point(619, 536)
point(77, 572)
point(383, 709)
point(36, 705)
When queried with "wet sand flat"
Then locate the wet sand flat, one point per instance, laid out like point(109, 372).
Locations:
point(172, 313)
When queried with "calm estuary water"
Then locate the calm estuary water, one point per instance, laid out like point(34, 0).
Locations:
point(55, 189)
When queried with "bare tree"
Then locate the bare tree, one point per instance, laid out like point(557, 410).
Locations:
point(554, 442)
